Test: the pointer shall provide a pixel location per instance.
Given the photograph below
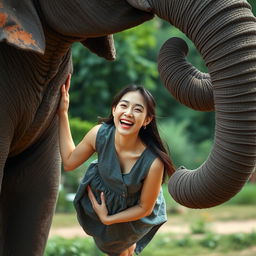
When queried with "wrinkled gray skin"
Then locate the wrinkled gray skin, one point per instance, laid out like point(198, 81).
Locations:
point(225, 34)
point(35, 59)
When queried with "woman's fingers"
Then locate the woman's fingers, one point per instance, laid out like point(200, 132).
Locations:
point(67, 83)
point(91, 195)
point(93, 198)
point(63, 90)
point(102, 197)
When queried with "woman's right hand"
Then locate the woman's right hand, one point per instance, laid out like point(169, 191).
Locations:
point(64, 101)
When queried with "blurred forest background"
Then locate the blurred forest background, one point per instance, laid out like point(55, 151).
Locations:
point(188, 133)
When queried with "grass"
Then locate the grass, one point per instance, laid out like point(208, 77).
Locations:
point(218, 213)
point(163, 245)
point(208, 244)
point(64, 220)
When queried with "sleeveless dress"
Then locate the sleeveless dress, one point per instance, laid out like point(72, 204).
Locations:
point(121, 192)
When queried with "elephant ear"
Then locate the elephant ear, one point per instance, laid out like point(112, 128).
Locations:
point(102, 46)
point(20, 25)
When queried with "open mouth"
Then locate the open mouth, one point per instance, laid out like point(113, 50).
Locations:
point(126, 123)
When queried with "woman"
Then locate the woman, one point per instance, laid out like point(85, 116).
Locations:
point(119, 201)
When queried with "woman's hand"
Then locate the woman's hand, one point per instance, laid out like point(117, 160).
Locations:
point(100, 209)
point(64, 101)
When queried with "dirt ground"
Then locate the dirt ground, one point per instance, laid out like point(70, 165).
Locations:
point(227, 227)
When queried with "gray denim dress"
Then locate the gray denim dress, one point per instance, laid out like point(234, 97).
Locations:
point(121, 192)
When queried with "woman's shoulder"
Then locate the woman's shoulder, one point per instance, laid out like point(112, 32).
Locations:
point(154, 160)
point(105, 128)
point(103, 133)
point(94, 130)
point(101, 126)
point(157, 163)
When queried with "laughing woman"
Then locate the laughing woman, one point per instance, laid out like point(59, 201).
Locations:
point(119, 201)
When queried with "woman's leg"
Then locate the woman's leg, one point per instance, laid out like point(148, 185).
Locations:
point(125, 253)
point(129, 251)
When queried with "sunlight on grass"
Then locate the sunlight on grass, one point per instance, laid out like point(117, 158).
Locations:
point(218, 213)
point(64, 220)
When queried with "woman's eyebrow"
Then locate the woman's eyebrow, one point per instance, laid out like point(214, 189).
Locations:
point(137, 104)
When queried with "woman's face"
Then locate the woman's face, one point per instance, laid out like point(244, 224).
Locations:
point(130, 114)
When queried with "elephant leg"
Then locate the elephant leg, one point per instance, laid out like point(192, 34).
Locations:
point(29, 192)
point(5, 142)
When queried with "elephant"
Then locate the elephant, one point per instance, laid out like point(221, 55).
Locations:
point(35, 58)
point(224, 32)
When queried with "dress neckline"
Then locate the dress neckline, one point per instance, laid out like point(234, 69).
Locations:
point(117, 158)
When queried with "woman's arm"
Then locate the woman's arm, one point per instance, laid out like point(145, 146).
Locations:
point(149, 194)
point(73, 156)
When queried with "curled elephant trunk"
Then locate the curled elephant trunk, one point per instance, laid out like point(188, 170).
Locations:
point(187, 84)
point(224, 32)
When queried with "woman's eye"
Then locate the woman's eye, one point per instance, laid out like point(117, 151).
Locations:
point(123, 105)
point(138, 110)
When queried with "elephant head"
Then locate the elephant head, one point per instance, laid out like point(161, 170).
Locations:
point(23, 23)
point(35, 59)
point(224, 32)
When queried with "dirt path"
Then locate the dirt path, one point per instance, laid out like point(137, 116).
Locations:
point(227, 227)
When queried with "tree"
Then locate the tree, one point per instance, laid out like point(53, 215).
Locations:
point(253, 4)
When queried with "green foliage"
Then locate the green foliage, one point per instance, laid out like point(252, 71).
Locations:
point(245, 197)
point(185, 241)
point(210, 240)
point(79, 128)
point(63, 205)
point(190, 245)
point(253, 4)
point(183, 151)
point(71, 247)
point(171, 204)
point(161, 245)
point(239, 241)
point(200, 226)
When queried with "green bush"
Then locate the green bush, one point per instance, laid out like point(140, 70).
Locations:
point(200, 226)
point(239, 241)
point(64, 205)
point(210, 241)
point(184, 242)
point(161, 245)
point(245, 197)
point(58, 246)
point(182, 150)
point(79, 128)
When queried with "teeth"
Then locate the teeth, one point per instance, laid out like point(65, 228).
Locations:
point(126, 122)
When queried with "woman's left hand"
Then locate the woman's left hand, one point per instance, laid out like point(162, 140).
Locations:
point(100, 209)
point(64, 101)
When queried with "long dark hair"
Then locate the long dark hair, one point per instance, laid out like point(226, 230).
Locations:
point(150, 136)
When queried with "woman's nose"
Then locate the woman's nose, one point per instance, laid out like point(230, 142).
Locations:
point(128, 112)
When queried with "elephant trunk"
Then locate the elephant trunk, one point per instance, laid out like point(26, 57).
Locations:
point(224, 32)
point(187, 84)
